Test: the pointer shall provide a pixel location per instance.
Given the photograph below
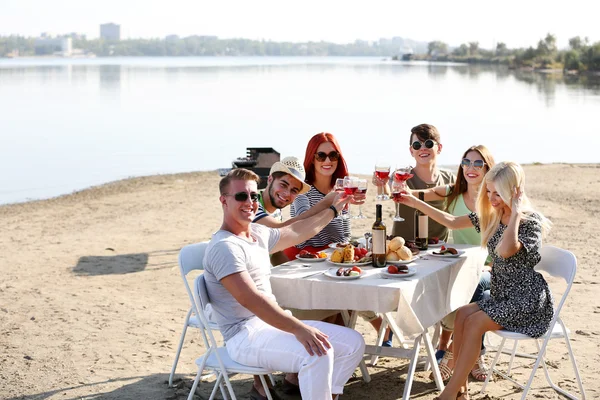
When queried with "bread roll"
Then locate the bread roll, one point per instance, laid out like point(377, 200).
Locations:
point(396, 243)
point(337, 256)
point(392, 256)
point(349, 253)
point(404, 253)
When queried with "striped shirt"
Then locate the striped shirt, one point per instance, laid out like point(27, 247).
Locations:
point(338, 230)
point(261, 212)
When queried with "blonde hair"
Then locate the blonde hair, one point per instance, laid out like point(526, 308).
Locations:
point(506, 176)
point(238, 174)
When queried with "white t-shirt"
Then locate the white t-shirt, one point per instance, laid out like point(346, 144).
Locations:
point(229, 254)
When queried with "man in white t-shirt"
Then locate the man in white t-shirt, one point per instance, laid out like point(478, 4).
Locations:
point(257, 331)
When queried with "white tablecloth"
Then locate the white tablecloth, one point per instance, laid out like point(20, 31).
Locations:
point(440, 286)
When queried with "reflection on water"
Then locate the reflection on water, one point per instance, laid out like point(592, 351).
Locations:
point(110, 76)
point(85, 122)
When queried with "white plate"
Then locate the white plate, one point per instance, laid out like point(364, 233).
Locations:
point(350, 264)
point(309, 259)
point(403, 262)
point(439, 244)
point(448, 255)
point(331, 273)
point(411, 272)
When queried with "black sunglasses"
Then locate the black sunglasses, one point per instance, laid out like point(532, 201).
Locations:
point(322, 156)
point(428, 144)
point(243, 196)
point(477, 164)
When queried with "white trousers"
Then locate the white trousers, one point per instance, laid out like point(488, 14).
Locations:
point(261, 345)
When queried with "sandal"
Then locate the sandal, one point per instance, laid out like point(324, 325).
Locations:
point(479, 372)
point(445, 370)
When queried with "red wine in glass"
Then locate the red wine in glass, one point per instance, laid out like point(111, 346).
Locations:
point(403, 176)
point(350, 189)
point(382, 174)
point(396, 196)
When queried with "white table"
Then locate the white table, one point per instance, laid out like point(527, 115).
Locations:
point(440, 286)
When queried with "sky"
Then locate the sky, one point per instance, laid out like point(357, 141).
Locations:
point(518, 23)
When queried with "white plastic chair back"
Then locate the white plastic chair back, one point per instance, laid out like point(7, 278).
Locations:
point(191, 257)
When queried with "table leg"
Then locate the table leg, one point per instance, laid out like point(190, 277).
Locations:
point(411, 367)
point(350, 321)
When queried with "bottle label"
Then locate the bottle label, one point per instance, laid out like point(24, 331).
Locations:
point(379, 237)
point(423, 226)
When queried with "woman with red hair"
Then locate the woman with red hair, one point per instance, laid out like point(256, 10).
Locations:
point(323, 163)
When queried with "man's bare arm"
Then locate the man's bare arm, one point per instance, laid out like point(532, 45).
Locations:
point(302, 230)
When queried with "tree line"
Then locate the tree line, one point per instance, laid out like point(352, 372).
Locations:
point(582, 55)
point(213, 46)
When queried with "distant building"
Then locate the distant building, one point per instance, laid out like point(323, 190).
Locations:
point(76, 36)
point(46, 45)
point(110, 31)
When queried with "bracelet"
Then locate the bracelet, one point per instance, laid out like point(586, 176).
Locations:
point(335, 211)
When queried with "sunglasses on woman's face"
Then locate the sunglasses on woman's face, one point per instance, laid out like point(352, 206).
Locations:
point(428, 144)
point(322, 156)
point(477, 164)
point(243, 196)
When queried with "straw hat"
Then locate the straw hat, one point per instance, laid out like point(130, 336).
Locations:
point(292, 166)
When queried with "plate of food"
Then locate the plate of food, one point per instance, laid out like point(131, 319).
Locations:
point(344, 273)
point(350, 255)
point(308, 256)
point(447, 252)
point(398, 252)
point(435, 242)
point(368, 261)
point(398, 272)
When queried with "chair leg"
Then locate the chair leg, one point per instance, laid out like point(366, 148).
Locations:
point(272, 379)
point(491, 371)
point(219, 385)
point(266, 387)
point(379, 341)
point(512, 356)
point(540, 359)
point(223, 391)
point(195, 385)
point(573, 362)
point(185, 326)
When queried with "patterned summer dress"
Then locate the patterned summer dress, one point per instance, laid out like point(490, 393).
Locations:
point(520, 297)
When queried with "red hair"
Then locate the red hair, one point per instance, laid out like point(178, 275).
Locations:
point(311, 149)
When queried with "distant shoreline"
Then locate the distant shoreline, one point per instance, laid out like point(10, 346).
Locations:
point(125, 184)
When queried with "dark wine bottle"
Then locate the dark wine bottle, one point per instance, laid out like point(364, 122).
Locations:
point(379, 239)
point(421, 227)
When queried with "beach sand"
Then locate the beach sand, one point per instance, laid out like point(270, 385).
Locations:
point(92, 303)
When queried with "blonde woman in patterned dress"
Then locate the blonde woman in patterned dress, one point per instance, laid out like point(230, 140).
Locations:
point(520, 300)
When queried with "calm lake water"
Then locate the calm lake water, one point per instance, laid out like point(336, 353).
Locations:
point(70, 124)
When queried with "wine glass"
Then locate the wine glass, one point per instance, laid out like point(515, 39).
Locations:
point(397, 188)
point(340, 188)
point(362, 189)
point(402, 174)
point(350, 187)
point(382, 171)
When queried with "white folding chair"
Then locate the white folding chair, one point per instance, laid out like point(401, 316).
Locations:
point(558, 263)
point(216, 358)
point(191, 258)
